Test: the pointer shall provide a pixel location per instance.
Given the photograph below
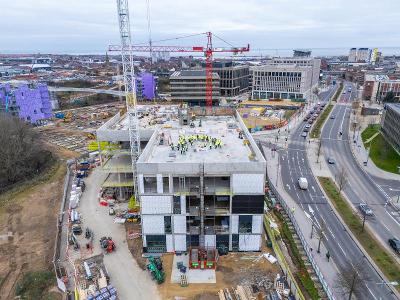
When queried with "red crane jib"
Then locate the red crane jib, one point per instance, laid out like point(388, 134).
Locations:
point(208, 51)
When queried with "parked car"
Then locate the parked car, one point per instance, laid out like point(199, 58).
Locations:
point(332, 117)
point(395, 244)
point(310, 121)
point(365, 209)
point(308, 126)
point(304, 134)
point(331, 160)
point(306, 129)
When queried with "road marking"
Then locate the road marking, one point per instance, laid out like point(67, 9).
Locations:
point(341, 124)
point(313, 188)
point(331, 232)
point(288, 186)
point(342, 249)
point(371, 292)
point(392, 217)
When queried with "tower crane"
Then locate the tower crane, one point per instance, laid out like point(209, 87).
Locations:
point(130, 86)
point(127, 49)
point(208, 52)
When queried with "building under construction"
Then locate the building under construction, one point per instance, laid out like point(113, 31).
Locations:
point(200, 178)
point(201, 184)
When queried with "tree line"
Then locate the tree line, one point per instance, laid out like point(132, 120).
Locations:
point(22, 154)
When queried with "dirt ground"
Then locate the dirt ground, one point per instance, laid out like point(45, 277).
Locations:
point(27, 231)
point(232, 270)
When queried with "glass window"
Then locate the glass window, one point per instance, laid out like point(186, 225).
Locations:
point(245, 224)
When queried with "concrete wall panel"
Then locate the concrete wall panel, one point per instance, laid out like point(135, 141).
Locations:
point(257, 224)
point(153, 224)
point(156, 204)
point(180, 242)
point(170, 243)
point(249, 242)
point(179, 224)
point(235, 224)
point(248, 183)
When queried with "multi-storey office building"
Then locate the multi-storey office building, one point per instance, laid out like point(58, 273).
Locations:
point(234, 79)
point(209, 192)
point(391, 124)
point(189, 86)
point(274, 81)
point(315, 63)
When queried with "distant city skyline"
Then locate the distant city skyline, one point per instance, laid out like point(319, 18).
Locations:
point(90, 26)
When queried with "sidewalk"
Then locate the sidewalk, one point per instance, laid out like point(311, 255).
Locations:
point(328, 269)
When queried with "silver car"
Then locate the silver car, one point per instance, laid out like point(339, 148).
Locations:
point(365, 209)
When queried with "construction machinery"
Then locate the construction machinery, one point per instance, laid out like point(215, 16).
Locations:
point(107, 244)
point(156, 269)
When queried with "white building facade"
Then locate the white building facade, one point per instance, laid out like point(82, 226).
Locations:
point(204, 197)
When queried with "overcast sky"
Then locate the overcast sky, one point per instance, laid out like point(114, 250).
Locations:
point(89, 26)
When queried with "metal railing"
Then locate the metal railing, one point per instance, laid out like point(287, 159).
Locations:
point(299, 233)
point(303, 242)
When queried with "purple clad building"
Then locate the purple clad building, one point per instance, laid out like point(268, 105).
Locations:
point(30, 104)
point(146, 86)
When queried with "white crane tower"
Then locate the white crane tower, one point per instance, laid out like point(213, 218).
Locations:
point(130, 86)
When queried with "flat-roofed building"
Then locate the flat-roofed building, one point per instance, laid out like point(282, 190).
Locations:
point(376, 87)
point(281, 82)
point(234, 79)
point(391, 124)
point(201, 184)
point(189, 86)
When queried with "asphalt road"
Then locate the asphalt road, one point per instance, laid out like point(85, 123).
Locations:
point(343, 249)
point(361, 187)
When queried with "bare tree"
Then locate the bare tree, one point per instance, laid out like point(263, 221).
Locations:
point(319, 149)
point(321, 232)
point(22, 154)
point(342, 179)
point(351, 279)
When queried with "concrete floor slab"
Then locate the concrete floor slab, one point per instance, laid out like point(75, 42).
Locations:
point(193, 276)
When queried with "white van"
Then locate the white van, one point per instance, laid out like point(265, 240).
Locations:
point(303, 183)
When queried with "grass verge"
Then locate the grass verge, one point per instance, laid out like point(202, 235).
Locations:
point(34, 285)
point(302, 274)
point(379, 254)
point(369, 132)
point(316, 130)
point(383, 155)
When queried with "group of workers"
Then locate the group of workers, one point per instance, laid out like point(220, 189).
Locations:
point(183, 142)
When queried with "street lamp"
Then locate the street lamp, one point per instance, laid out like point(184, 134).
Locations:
point(392, 283)
point(316, 225)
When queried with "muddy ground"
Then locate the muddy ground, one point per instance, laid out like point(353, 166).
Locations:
point(232, 270)
point(28, 228)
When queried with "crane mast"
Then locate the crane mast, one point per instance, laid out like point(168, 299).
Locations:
point(130, 86)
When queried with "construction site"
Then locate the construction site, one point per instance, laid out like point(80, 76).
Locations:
point(166, 201)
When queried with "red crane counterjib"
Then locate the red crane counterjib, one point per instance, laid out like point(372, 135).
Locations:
point(178, 49)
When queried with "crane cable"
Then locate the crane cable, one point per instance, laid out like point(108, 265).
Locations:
point(149, 31)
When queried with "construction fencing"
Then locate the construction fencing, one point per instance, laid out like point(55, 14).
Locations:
point(60, 220)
